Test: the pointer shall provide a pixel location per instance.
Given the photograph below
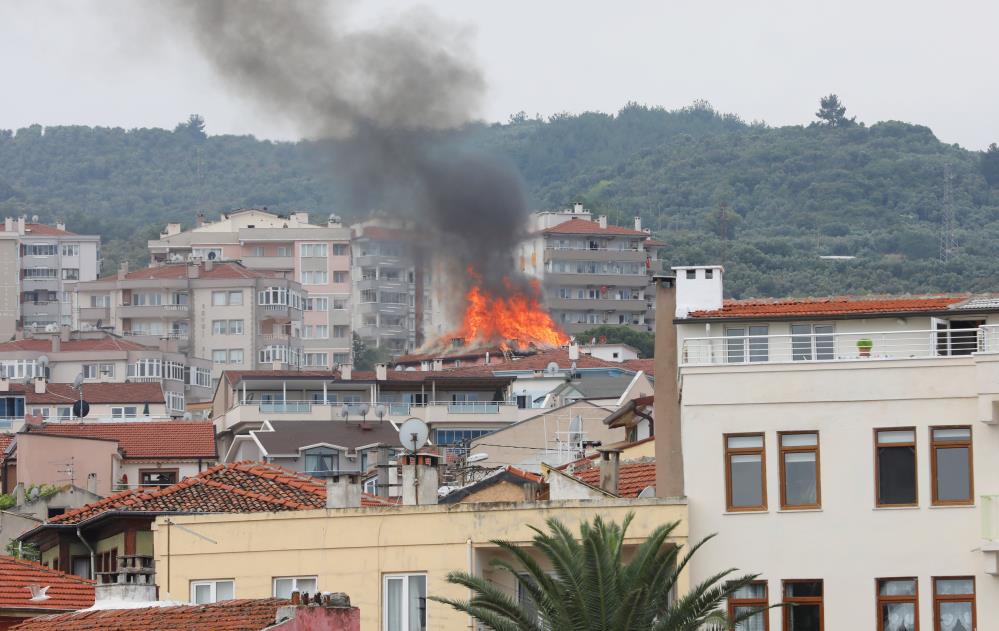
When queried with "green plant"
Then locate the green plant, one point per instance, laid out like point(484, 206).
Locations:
point(590, 588)
point(7, 501)
point(21, 550)
point(865, 343)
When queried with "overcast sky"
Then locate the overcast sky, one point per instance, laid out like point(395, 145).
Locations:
point(926, 62)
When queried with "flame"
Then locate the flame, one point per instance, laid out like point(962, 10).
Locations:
point(517, 317)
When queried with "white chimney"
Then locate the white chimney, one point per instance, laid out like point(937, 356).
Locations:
point(20, 225)
point(172, 228)
point(40, 385)
point(573, 351)
point(420, 479)
point(4, 384)
point(60, 226)
point(438, 364)
point(301, 219)
point(638, 223)
point(345, 370)
point(343, 491)
point(602, 220)
point(8, 224)
point(698, 288)
point(381, 372)
point(577, 208)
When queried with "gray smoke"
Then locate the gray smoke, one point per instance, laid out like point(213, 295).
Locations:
point(392, 99)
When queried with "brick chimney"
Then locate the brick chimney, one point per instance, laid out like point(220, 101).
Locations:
point(65, 332)
point(133, 581)
point(610, 469)
point(343, 491)
point(331, 611)
point(420, 479)
point(669, 448)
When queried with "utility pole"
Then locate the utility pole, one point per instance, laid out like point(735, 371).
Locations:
point(948, 219)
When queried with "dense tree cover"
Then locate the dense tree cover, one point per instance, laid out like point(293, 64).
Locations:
point(766, 202)
point(642, 341)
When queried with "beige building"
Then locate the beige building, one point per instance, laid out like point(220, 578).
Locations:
point(233, 316)
point(10, 284)
point(315, 256)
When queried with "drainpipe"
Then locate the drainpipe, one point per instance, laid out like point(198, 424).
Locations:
point(93, 566)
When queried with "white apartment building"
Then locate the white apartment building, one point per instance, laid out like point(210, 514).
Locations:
point(315, 256)
point(593, 273)
point(51, 261)
point(844, 448)
point(234, 317)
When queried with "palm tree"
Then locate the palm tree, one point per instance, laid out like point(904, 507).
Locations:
point(590, 588)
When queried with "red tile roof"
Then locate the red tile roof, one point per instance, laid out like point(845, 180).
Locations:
point(220, 270)
point(537, 360)
point(835, 305)
point(242, 487)
point(633, 476)
point(583, 226)
point(648, 366)
point(145, 439)
point(234, 376)
point(5, 440)
point(65, 591)
point(229, 615)
point(146, 392)
point(41, 230)
point(107, 343)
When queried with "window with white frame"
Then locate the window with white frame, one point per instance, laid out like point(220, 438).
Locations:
point(71, 273)
point(147, 299)
point(747, 344)
point(285, 585)
point(340, 330)
point(100, 300)
point(283, 250)
point(315, 277)
point(313, 250)
point(124, 411)
point(71, 249)
point(315, 359)
point(405, 602)
point(317, 304)
point(340, 249)
point(41, 272)
point(96, 371)
point(341, 358)
point(175, 401)
point(148, 367)
point(219, 298)
point(211, 254)
point(219, 356)
point(174, 370)
point(19, 368)
point(273, 296)
point(811, 341)
point(235, 356)
point(201, 377)
point(340, 277)
point(270, 354)
point(40, 249)
point(235, 297)
point(207, 592)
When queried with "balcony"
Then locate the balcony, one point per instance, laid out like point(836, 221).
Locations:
point(598, 280)
point(95, 313)
point(599, 304)
point(269, 262)
point(167, 312)
point(598, 254)
point(990, 533)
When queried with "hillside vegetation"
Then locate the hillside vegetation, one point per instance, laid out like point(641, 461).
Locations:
point(766, 202)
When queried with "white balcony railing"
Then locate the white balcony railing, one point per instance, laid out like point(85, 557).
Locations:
point(391, 408)
point(813, 347)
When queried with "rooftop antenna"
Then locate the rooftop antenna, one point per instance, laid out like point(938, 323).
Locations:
point(948, 219)
point(380, 412)
point(413, 435)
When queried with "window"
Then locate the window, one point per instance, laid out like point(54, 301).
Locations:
point(175, 401)
point(40, 272)
point(339, 304)
point(405, 602)
point(747, 342)
point(258, 251)
point(205, 592)
point(341, 358)
point(391, 275)
point(339, 249)
point(124, 412)
point(394, 297)
point(283, 587)
point(315, 278)
point(950, 465)
point(954, 604)
point(895, 467)
point(273, 296)
point(40, 249)
point(201, 377)
point(317, 304)
point(157, 477)
point(100, 300)
point(745, 472)
point(19, 368)
point(456, 436)
point(211, 254)
point(747, 599)
point(321, 461)
point(341, 330)
point(235, 356)
point(95, 371)
point(898, 601)
point(315, 359)
point(811, 341)
point(219, 327)
point(174, 370)
point(369, 295)
point(219, 298)
point(800, 486)
point(71, 249)
point(180, 298)
point(283, 250)
point(341, 277)
point(147, 299)
point(149, 367)
point(311, 250)
point(235, 297)
point(71, 273)
point(235, 327)
point(805, 614)
point(219, 356)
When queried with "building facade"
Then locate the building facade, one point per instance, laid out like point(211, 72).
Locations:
point(315, 256)
point(851, 441)
point(49, 261)
point(233, 316)
point(592, 273)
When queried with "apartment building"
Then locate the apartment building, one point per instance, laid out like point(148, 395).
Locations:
point(392, 283)
point(102, 357)
point(220, 311)
point(592, 273)
point(849, 441)
point(315, 256)
point(42, 270)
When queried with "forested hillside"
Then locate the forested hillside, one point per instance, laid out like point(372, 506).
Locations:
point(766, 202)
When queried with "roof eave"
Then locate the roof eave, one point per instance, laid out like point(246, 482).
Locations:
point(838, 316)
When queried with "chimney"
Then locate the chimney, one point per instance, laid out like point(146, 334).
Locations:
point(65, 333)
point(302, 219)
point(8, 224)
point(122, 270)
point(20, 225)
point(577, 208)
point(40, 385)
point(666, 409)
point(573, 350)
point(602, 220)
point(438, 364)
point(381, 372)
point(61, 225)
point(277, 364)
point(133, 581)
point(343, 491)
point(200, 219)
point(610, 468)
point(209, 265)
point(172, 229)
point(19, 499)
point(345, 371)
point(168, 344)
point(92, 483)
point(193, 270)
point(4, 384)
point(382, 458)
point(638, 223)
point(56, 343)
point(419, 479)
point(697, 289)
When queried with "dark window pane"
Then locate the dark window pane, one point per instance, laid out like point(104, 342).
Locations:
point(747, 480)
point(953, 474)
point(804, 618)
point(803, 589)
point(736, 347)
point(896, 475)
point(801, 342)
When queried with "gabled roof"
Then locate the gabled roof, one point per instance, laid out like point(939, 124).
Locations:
point(220, 270)
point(65, 591)
point(633, 477)
point(287, 437)
point(41, 230)
point(583, 226)
point(64, 393)
point(229, 615)
point(106, 343)
point(6, 438)
point(144, 439)
point(831, 306)
point(509, 474)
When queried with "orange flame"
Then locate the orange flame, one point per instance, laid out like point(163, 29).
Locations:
point(517, 317)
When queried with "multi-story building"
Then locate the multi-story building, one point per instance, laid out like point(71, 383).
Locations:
point(316, 256)
point(221, 311)
point(102, 357)
point(841, 447)
point(393, 296)
point(48, 262)
point(592, 273)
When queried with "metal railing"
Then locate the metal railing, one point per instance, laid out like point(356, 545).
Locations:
point(813, 347)
point(368, 410)
point(990, 517)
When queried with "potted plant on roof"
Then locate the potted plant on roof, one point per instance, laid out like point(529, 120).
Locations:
point(864, 345)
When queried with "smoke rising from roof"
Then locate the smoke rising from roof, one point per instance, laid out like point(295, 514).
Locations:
point(392, 99)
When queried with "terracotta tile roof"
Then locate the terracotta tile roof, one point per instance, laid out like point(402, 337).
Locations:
point(654, 243)
point(633, 477)
point(525, 475)
point(583, 226)
point(65, 591)
point(107, 343)
point(41, 230)
point(220, 270)
point(229, 615)
point(648, 366)
point(146, 392)
point(537, 360)
point(234, 376)
point(835, 305)
point(242, 487)
point(145, 439)
point(5, 440)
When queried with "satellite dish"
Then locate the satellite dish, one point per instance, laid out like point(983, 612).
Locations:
point(81, 409)
point(552, 368)
point(380, 411)
point(78, 381)
point(363, 410)
point(479, 457)
point(649, 491)
point(345, 412)
point(413, 434)
point(212, 256)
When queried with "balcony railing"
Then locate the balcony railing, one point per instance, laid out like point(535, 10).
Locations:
point(392, 408)
point(818, 347)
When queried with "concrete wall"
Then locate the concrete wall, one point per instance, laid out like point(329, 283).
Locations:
point(848, 542)
point(42, 459)
point(10, 285)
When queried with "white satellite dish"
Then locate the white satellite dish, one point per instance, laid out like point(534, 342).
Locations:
point(413, 434)
point(649, 491)
point(78, 381)
point(380, 412)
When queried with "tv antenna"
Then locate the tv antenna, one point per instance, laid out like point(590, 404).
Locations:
point(948, 219)
point(413, 435)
